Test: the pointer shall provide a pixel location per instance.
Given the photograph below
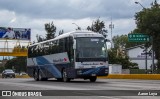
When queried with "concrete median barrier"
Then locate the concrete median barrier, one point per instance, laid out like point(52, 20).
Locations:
point(133, 76)
point(22, 76)
point(19, 76)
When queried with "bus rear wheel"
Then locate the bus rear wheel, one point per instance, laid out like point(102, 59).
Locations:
point(93, 79)
point(41, 78)
point(64, 75)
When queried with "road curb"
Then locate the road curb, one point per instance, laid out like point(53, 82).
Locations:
point(133, 76)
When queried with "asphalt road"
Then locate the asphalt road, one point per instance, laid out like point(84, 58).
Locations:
point(83, 89)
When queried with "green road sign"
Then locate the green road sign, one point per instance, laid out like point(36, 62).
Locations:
point(138, 37)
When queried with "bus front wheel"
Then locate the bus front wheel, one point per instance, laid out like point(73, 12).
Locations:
point(93, 79)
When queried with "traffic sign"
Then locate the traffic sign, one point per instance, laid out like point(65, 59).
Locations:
point(138, 37)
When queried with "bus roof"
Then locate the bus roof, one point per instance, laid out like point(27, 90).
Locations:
point(74, 34)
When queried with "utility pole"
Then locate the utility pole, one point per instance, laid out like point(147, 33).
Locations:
point(152, 56)
point(146, 59)
point(111, 26)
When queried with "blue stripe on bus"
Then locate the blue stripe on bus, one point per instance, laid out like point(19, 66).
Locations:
point(93, 71)
point(50, 67)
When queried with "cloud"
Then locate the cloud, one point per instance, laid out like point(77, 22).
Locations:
point(35, 13)
point(6, 17)
point(71, 9)
point(13, 20)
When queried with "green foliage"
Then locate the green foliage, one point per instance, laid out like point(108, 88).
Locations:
point(1, 69)
point(122, 41)
point(99, 27)
point(51, 30)
point(61, 32)
point(39, 38)
point(18, 63)
point(148, 22)
point(112, 56)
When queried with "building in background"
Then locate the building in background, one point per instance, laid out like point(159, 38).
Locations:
point(137, 55)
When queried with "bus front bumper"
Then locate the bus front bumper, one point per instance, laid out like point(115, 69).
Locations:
point(100, 71)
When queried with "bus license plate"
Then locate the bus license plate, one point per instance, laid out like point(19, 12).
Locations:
point(93, 75)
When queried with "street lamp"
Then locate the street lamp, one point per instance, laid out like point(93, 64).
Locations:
point(78, 28)
point(140, 5)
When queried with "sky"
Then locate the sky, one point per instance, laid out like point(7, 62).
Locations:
point(35, 13)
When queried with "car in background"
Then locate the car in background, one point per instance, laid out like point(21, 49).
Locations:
point(8, 73)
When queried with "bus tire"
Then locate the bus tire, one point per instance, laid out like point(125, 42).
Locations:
point(93, 79)
point(40, 76)
point(36, 75)
point(44, 79)
point(64, 76)
point(59, 79)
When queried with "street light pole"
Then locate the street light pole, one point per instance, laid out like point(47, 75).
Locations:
point(78, 28)
point(145, 46)
point(140, 5)
point(152, 67)
point(152, 56)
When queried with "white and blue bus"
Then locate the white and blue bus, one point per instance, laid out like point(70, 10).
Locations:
point(77, 54)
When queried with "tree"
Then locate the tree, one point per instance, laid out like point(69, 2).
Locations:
point(148, 22)
point(39, 38)
point(51, 30)
point(99, 27)
point(117, 54)
point(18, 63)
point(61, 32)
point(122, 41)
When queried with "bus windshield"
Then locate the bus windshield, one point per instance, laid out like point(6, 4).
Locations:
point(88, 47)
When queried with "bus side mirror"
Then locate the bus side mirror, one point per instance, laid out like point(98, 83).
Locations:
point(107, 40)
point(74, 44)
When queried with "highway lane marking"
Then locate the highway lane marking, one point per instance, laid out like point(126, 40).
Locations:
point(109, 97)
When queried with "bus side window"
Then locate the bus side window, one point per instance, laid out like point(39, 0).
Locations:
point(61, 45)
point(29, 52)
point(57, 46)
point(53, 47)
point(64, 44)
point(34, 51)
point(70, 49)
